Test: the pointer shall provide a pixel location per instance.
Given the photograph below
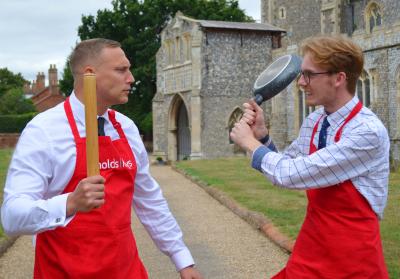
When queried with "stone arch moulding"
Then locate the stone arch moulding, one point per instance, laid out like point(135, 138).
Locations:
point(234, 116)
point(233, 111)
point(173, 111)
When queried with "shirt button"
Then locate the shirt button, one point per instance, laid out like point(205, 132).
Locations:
point(58, 220)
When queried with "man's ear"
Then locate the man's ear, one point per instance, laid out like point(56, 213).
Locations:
point(89, 70)
point(341, 78)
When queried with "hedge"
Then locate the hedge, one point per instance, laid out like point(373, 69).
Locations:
point(15, 123)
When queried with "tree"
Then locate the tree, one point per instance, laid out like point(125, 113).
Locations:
point(9, 80)
point(14, 102)
point(137, 26)
point(67, 81)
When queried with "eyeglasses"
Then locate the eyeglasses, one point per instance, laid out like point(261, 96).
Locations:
point(308, 74)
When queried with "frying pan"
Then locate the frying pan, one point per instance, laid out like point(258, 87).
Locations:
point(276, 77)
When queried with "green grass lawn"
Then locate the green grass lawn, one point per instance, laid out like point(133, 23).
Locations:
point(286, 208)
point(5, 157)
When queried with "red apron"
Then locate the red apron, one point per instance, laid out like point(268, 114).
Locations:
point(340, 235)
point(100, 243)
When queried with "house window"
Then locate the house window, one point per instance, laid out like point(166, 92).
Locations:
point(235, 117)
point(373, 16)
point(364, 89)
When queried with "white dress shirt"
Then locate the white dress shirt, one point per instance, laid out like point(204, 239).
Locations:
point(361, 155)
point(43, 164)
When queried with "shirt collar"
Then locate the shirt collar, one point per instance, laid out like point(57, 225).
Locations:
point(79, 110)
point(336, 118)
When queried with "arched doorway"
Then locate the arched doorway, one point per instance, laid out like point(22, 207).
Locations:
point(183, 133)
point(179, 135)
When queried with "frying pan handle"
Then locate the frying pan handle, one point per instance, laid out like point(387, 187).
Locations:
point(258, 99)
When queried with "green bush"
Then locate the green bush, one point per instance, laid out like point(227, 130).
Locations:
point(15, 102)
point(15, 123)
point(147, 123)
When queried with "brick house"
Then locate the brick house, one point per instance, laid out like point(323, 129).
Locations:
point(45, 97)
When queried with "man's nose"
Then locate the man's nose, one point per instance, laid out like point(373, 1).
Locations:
point(131, 78)
point(301, 80)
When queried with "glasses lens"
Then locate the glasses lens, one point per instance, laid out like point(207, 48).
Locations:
point(306, 76)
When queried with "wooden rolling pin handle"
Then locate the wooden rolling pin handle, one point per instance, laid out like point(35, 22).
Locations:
point(92, 143)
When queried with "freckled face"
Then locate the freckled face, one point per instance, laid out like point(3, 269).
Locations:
point(320, 88)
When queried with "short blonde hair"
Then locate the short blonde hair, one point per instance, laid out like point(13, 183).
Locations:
point(87, 52)
point(336, 53)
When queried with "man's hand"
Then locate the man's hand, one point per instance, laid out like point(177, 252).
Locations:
point(243, 136)
point(254, 116)
point(88, 195)
point(190, 273)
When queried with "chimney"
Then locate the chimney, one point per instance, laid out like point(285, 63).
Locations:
point(34, 87)
point(27, 88)
point(53, 80)
point(40, 79)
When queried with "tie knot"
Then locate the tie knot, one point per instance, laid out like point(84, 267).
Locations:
point(100, 126)
point(325, 123)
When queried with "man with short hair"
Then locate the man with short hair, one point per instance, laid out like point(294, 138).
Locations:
point(83, 224)
point(341, 159)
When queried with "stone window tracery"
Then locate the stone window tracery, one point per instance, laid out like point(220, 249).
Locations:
point(373, 16)
point(363, 89)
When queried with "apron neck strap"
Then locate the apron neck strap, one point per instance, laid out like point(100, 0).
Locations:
point(353, 113)
point(116, 124)
point(71, 120)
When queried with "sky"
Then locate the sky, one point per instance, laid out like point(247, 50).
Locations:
point(37, 33)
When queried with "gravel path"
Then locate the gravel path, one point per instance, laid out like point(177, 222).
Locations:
point(222, 244)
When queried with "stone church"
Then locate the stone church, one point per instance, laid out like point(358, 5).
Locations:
point(205, 72)
point(201, 96)
point(374, 25)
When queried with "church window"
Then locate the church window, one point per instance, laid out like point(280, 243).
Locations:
point(187, 47)
point(282, 13)
point(235, 117)
point(364, 89)
point(303, 108)
point(169, 52)
point(373, 16)
point(177, 50)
